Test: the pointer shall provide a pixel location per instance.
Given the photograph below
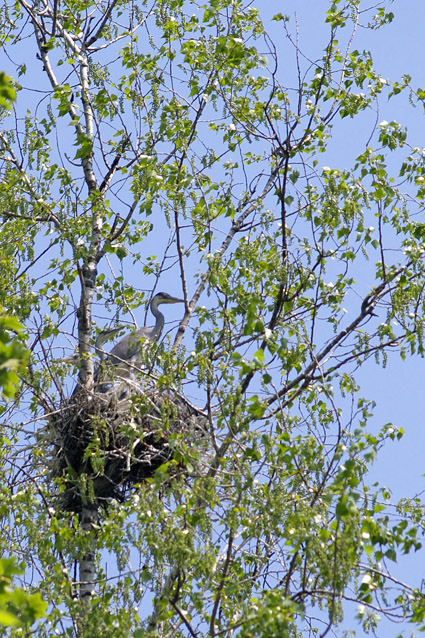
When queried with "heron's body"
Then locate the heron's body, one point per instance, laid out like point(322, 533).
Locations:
point(130, 346)
point(126, 356)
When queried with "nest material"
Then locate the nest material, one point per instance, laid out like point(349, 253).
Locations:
point(107, 441)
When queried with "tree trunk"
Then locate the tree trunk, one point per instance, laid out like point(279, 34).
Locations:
point(87, 572)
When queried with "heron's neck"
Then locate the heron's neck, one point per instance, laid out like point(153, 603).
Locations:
point(159, 325)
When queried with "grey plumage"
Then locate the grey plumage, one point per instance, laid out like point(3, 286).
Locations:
point(126, 355)
point(102, 337)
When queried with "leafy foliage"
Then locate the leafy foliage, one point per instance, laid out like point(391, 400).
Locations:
point(13, 355)
point(17, 608)
point(7, 92)
point(176, 145)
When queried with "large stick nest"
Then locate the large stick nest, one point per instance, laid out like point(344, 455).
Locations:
point(105, 442)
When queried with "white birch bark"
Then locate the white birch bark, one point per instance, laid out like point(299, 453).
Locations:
point(87, 571)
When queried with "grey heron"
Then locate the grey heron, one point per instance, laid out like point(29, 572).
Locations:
point(126, 355)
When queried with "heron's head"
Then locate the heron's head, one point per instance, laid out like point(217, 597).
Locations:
point(164, 297)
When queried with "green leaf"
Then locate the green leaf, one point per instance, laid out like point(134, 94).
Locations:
point(7, 91)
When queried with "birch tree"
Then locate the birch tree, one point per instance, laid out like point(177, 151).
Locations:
point(171, 145)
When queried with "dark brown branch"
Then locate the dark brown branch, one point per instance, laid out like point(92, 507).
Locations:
point(107, 179)
point(221, 585)
point(366, 310)
point(183, 618)
point(55, 13)
point(237, 225)
point(101, 26)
